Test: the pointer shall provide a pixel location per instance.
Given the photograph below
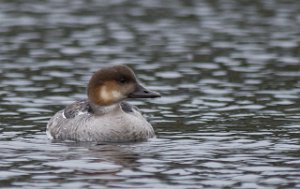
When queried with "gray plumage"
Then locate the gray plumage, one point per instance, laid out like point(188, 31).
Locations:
point(119, 123)
point(104, 116)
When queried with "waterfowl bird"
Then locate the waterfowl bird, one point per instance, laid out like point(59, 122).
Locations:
point(104, 116)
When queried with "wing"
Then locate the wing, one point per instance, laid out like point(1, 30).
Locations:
point(77, 108)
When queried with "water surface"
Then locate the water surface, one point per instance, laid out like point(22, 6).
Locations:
point(229, 73)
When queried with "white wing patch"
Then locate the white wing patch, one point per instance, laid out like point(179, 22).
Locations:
point(81, 113)
point(63, 114)
point(49, 134)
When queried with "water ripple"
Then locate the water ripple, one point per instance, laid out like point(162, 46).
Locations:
point(228, 71)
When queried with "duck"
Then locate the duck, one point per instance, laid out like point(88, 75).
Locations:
point(105, 116)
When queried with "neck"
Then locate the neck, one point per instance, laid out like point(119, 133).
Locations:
point(100, 110)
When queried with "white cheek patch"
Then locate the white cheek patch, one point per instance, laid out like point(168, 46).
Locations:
point(107, 95)
point(104, 94)
point(117, 94)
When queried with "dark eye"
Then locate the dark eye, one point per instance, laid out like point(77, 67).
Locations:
point(122, 80)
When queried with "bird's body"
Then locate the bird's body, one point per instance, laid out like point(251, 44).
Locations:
point(104, 116)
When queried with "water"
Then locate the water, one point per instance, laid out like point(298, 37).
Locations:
point(229, 73)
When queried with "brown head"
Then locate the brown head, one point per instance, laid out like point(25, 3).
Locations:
point(114, 84)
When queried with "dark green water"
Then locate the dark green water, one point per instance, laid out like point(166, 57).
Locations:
point(229, 73)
